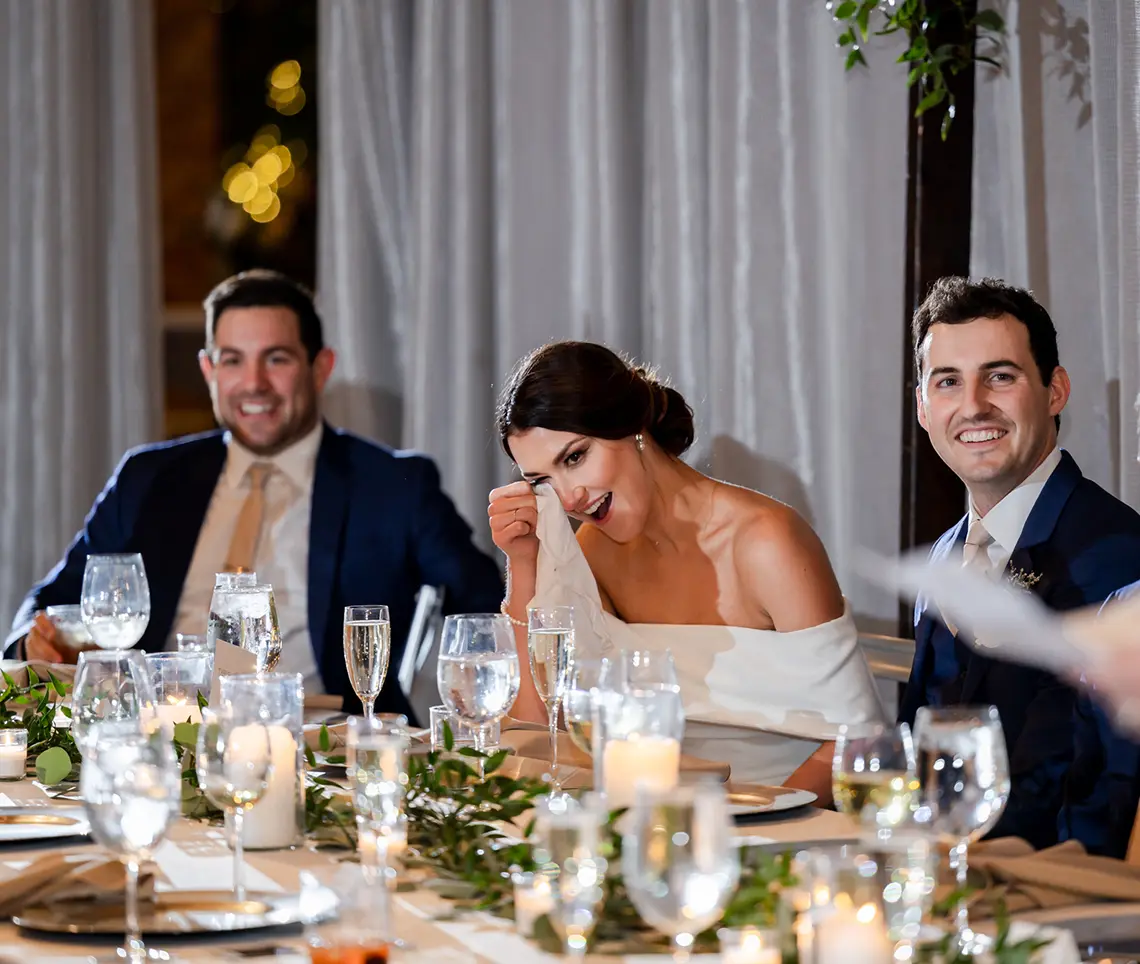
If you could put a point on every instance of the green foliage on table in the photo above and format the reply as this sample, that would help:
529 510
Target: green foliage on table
1005 950
930 64
52 753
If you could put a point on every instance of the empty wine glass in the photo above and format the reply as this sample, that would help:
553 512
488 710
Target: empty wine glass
550 644
131 792
873 774
246 616
679 861
478 670
115 600
234 764
569 837
110 685
367 646
963 769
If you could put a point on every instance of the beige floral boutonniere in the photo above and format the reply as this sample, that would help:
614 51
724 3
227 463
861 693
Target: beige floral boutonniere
1022 579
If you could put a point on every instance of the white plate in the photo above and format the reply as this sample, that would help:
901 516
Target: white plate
747 799
1106 927
24 824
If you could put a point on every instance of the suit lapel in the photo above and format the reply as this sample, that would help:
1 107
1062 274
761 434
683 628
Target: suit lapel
944 550
326 533
1038 529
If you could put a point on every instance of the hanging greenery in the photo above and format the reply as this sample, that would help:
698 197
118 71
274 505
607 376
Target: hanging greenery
930 64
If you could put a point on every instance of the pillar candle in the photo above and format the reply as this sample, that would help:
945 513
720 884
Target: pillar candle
651 761
271 823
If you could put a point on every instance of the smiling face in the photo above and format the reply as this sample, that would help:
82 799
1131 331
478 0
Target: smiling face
263 386
981 399
597 480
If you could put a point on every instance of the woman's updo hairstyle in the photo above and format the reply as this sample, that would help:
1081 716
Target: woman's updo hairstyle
586 389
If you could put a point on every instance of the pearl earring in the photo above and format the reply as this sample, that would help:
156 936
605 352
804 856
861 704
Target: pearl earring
640 442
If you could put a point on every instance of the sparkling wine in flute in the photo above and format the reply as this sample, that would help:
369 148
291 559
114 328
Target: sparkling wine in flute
479 687
551 655
581 735
367 645
888 794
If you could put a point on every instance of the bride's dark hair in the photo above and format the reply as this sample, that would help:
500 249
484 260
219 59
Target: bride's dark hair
584 388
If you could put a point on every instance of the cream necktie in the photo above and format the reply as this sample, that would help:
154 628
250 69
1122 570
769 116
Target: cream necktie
975 553
247 530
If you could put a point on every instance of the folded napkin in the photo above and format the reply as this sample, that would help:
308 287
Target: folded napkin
1011 870
69 876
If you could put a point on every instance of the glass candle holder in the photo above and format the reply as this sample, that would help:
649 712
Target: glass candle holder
749 945
178 680
275 701
533 899
13 754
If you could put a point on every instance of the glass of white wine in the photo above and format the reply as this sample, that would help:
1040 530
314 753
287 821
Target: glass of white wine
873 774
550 643
115 599
478 669
367 646
234 766
587 676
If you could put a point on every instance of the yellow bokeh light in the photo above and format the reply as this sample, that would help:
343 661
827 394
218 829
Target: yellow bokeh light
286 177
268 167
228 178
272 131
294 105
279 97
260 202
285 75
299 151
285 154
269 213
243 187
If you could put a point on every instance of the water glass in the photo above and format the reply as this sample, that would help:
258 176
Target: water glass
550 645
873 774
963 769
115 599
191 643
569 836
587 676
679 860
71 631
234 762
367 646
131 793
478 670
246 616
109 685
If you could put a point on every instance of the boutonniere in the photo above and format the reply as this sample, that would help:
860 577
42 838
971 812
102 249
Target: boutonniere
1023 579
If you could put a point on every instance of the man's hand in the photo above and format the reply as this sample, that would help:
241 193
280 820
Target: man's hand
43 644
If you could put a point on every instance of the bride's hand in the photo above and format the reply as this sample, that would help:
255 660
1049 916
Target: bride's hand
513 513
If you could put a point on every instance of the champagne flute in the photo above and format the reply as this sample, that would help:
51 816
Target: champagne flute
550 643
478 669
873 774
115 599
367 646
964 771
110 685
234 764
131 792
679 860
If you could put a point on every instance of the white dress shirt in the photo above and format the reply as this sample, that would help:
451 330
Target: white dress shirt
282 554
1005 520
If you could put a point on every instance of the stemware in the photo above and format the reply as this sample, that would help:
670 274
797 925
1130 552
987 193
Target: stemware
569 852
115 599
246 616
679 861
367 645
578 702
131 792
550 644
218 627
873 774
478 670
234 762
109 685
963 769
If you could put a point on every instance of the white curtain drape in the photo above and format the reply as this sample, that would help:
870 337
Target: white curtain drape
699 184
1057 207
79 271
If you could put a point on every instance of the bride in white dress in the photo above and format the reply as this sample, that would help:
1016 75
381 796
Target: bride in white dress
735 584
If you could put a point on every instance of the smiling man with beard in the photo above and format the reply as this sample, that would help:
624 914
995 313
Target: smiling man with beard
327 518
990 395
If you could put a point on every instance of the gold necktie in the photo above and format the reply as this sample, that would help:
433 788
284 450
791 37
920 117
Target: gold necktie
243 545
975 553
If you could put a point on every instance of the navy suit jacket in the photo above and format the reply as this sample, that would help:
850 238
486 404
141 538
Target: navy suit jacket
1084 544
380 527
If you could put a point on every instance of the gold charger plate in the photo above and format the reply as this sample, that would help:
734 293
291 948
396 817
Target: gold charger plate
170 912
28 824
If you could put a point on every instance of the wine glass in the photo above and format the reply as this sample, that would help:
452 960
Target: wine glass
246 616
569 838
115 599
873 774
550 643
586 676
679 860
109 685
964 772
367 646
131 792
234 763
478 670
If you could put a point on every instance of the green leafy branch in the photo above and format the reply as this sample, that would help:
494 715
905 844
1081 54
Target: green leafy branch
1004 951
52 752
931 63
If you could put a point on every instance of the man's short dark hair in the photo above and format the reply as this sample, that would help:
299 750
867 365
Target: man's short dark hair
261 288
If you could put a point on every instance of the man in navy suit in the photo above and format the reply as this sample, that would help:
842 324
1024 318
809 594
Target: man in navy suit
990 394
327 518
